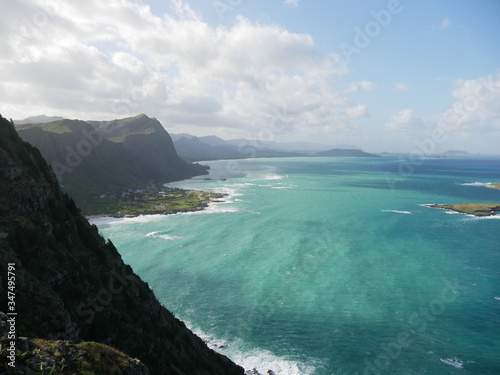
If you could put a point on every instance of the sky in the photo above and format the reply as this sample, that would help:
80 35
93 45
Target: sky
392 75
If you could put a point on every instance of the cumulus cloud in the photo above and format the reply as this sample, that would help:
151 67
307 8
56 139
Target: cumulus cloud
477 106
292 3
73 59
401 121
473 119
359 110
365 85
400 86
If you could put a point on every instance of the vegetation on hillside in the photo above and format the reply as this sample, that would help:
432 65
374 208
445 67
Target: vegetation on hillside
72 285
95 158
153 200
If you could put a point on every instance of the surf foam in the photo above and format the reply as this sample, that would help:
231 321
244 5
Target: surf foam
274 177
259 359
115 220
162 235
453 362
399 212
489 185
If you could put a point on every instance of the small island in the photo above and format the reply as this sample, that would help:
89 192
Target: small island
494 185
476 209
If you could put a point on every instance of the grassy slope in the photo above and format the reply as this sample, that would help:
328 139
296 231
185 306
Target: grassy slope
57 357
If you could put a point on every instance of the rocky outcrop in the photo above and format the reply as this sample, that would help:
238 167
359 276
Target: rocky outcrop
40 356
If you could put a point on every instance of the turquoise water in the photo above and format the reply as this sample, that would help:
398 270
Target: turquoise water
332 266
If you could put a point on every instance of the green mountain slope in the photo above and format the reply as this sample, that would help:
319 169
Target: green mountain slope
91 158
73 285
145 139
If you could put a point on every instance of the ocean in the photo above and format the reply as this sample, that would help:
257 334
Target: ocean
332 266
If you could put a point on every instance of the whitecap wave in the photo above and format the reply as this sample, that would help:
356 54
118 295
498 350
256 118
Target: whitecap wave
484 184
244 184
101 222
476 183
453 362
399 212
162 235
274 177
259 359
428 205
229 191
214 208
263 361
493 217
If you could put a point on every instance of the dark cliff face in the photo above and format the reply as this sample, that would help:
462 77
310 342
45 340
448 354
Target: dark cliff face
94 158
73 285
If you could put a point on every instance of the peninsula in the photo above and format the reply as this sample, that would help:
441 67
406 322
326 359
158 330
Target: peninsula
153 200
476 209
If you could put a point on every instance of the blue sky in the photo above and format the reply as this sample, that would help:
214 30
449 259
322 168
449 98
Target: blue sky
427 44
383 75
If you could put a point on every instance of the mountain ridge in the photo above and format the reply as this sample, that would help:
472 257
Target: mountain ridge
72 285
339 152
95 157
37 119
195 148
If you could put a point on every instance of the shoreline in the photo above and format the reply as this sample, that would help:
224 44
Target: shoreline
475 209
190 201
96 217
163 207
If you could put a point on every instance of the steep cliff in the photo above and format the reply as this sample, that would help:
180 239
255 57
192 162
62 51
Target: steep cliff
71 284
92 158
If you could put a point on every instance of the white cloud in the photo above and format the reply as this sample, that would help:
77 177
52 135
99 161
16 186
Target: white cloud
471 123
445 23
292 3
80 62
477 108
400 86
365 85
357 111
401 121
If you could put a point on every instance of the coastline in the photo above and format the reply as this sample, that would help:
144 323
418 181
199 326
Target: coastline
193 201
475 209
96 217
